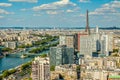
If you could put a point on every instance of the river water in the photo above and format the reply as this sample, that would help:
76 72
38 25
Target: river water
9 62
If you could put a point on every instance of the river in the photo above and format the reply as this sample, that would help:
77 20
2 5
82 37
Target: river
9 62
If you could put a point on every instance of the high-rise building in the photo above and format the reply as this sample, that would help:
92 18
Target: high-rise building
61 55
67 40
78 40
86 45
97 30
110 40
106 43
62 40
86 33
41 69
88 42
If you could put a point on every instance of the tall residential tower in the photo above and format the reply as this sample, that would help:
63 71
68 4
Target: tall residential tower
41 69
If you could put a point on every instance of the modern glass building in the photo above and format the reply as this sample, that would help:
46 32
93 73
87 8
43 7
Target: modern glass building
61 55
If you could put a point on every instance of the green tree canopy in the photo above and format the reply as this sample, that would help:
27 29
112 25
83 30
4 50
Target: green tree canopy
52 68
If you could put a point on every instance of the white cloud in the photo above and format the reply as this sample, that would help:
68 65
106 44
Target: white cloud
115 4
52 12
24 9
1 17
5 4
19 20
96 13
82 15
36 14
76 9
2 11
84 1
54 5
108 8
29 1
112 4
11 13
69 11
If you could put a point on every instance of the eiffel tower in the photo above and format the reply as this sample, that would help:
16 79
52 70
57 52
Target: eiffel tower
87 29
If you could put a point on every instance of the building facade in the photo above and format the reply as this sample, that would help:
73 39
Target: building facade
67 40
88 44
106 43
61 55
11 45
106 68
41 69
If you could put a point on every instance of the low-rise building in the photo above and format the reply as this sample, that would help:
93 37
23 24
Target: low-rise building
67 72
99 68
11 45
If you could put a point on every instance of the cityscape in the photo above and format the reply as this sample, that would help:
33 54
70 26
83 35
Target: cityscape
51 42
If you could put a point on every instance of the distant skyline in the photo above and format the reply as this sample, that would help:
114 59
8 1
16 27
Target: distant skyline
59 13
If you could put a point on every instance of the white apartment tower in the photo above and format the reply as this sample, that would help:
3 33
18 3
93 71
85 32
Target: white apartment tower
106 43
41 69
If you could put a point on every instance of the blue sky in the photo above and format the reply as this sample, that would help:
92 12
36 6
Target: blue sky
59 13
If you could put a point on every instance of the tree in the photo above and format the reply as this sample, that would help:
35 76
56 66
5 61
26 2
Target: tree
26 65
6 49
43 55
25 46
30 78
78 68
115 55
6 73
1 77
52 68
12 71
115 50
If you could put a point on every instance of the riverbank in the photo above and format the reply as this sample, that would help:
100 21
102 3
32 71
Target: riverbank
17 72
15 61
1 56
10 62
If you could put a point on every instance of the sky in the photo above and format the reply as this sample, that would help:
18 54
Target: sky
59 13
